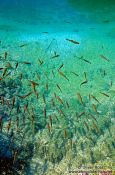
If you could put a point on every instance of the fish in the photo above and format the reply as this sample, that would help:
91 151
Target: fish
75 73
8 65
94 108
47 86
44 100
21 76
55 55
82 113
45 112
67 104
84 82
4 72
48 126
13 101
44 32
16 65
2 99
65 134
24 96
40 61
5 55
26 108
8 126
86 126
15 156
1 123
93 117
61 112
103 57
1 68
50 120
61 66
22 45
38 76
26 62
73 41
17 122
59 87
87 61
104 94
1 78
63 75
60 100
95 98
53 73
80 98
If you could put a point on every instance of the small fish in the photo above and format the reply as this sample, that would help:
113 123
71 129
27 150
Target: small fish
93 117
44 100
21 76
55 55
8 65
45 32
17 122
75 73
53 103
26 62
61 112
61 66
24 96
63 75
1 68
56 117
73 41
1 124
95 98
82 113
1 78
65 134
15 156
40 61
5 55
86 126
111 83
84 82
87 61
4 73
59 87
95 126
94 108
38 76
47 86
67 104
103 57
60 100
53 73
50 120
23 45
26 108
8 126
16 65
45 112
104 94
2 99
48 126
80 98
33 83
13 101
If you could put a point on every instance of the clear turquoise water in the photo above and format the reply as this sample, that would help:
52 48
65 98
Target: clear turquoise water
62 138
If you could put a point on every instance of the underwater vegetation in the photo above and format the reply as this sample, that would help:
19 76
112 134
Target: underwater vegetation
53 118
